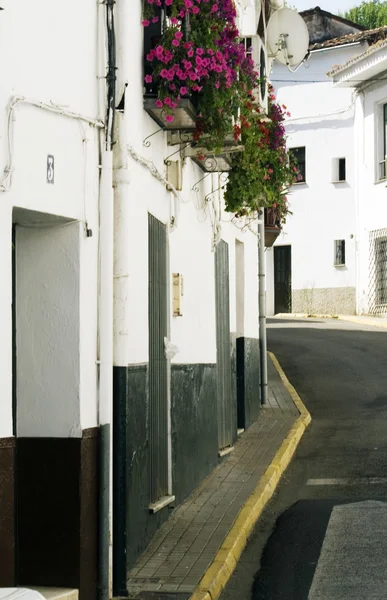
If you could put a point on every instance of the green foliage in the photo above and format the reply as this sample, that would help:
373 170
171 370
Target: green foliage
369 14
262 174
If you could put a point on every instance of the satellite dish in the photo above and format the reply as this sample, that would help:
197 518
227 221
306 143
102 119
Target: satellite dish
287 37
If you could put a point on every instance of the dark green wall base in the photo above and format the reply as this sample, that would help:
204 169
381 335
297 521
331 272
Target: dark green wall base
194 453
194 426
248 380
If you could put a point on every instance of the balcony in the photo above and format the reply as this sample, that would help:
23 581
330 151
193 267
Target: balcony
184 115
272 226
210 162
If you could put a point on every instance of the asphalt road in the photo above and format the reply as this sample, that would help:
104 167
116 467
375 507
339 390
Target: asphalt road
323 536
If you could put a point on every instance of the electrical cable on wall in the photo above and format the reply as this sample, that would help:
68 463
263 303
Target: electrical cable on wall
208 207
111 74
6 182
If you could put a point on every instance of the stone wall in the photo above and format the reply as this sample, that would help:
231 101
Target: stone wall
329 301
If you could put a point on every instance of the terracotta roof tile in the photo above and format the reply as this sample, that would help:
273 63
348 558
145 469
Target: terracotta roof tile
371 35
371 50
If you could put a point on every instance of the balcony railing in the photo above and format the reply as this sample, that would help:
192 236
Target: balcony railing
272 226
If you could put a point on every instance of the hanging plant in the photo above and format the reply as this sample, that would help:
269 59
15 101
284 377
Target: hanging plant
261 175
199 56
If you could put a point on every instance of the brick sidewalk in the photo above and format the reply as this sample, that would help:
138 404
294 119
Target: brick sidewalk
187 543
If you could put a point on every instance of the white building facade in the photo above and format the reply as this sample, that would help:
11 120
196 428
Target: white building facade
313 266
124 378
365 76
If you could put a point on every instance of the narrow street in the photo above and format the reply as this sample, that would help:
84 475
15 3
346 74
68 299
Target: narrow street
323 535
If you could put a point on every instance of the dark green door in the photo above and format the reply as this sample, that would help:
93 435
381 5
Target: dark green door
158 365
282 279
226 402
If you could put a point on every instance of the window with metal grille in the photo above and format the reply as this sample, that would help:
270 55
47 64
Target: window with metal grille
299 157
381 271
339 253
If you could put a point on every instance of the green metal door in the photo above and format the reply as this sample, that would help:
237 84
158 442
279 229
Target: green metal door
158 365
226 402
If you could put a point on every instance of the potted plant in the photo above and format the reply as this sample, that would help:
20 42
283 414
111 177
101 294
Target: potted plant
199 56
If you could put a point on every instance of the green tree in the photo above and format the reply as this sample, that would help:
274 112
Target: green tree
370 14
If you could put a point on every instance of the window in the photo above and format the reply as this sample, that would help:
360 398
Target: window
382 172
339 171
342 170
298 155
339 253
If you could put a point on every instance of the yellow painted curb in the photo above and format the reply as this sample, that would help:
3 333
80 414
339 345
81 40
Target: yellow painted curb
225 561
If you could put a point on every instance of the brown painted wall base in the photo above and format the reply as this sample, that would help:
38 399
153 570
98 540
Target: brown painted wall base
57 512
7 512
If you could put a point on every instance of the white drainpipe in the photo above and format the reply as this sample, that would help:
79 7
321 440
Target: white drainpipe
105 326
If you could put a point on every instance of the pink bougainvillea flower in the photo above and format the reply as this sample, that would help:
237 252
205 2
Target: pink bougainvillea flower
199 51
178 35
172 87
174 21
145 22
195 10
155 20
164 73
214 8
159 104
188 3
173 104
167 101
168 2
150 1
182 14
175 43
190 53
169 118
148 79
217 85
183 91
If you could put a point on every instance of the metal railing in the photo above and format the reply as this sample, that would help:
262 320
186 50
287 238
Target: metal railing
377 299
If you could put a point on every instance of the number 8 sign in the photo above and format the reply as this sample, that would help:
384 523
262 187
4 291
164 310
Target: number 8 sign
50 169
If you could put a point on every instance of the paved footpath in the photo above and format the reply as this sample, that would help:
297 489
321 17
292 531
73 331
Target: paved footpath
187 544
323 535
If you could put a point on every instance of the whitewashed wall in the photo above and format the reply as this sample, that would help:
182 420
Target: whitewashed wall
371 198
190 240
51 56
322 120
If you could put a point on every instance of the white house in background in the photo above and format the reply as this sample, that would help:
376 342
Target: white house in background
313 264
366 76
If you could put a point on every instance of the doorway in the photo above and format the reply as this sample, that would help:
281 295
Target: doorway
158 364
282 279
226 404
